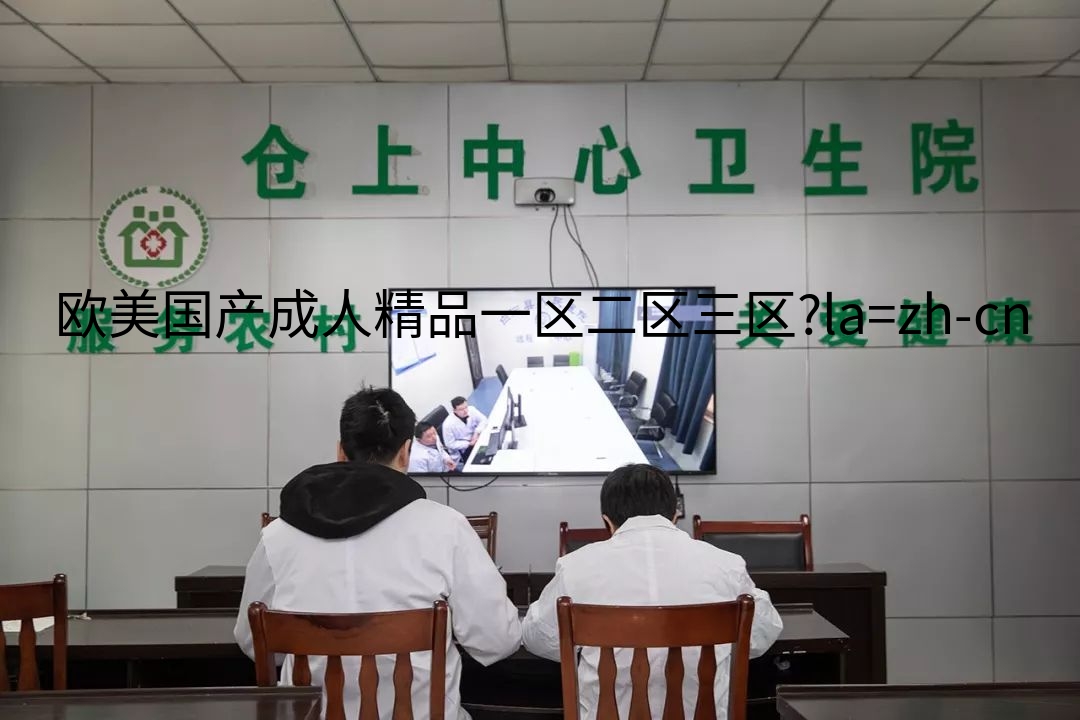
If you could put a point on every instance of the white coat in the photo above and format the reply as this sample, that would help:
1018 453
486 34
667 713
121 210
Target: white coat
457 433
648 561
420 553
427 459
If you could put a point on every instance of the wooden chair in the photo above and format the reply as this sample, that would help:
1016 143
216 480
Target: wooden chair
350 635
570 539
641 628
267 518
486 526
25 602
765 545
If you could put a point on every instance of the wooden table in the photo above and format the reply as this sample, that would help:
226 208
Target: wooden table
1018 701
850 596
186 704
195 648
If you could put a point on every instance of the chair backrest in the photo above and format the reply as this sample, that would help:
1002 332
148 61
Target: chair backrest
640 628
663 410
25 602
634 384
764 544
363 635
500 372
570 539
560 360
267 518
535 361
486 526
436 417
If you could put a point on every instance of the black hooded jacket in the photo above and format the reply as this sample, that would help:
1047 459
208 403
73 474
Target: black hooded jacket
342 499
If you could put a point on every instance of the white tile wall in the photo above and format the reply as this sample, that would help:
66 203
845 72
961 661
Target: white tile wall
45 143
890 449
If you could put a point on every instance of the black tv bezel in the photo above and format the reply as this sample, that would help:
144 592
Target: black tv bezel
554 291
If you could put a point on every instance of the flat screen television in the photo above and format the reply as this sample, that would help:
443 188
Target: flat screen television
558 381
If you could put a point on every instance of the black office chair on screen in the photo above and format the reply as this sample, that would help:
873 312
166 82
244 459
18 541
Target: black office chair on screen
654 429
535 361
627 396
561 361
500 372
436 418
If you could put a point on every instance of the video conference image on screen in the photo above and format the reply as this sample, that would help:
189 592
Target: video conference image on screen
534 392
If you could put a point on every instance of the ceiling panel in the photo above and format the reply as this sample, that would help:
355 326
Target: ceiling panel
903 9
575 10
875 41
960 70
135 46
1027 40
744 9
461 74
433 44
6 16
113 12
22 45
1069 69
580 43
579 73
713 72
735 42
796 71
284 45
258 11
48 75
168 75
1034 8
305 74
421 10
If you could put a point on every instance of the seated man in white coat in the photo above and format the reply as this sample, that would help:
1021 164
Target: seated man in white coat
359 535
461 429
428 454
648 561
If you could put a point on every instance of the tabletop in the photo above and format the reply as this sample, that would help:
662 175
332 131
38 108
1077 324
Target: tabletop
170 704
1016 701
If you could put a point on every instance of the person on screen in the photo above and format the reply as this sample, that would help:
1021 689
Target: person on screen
359 535
461 429
648 561
428 454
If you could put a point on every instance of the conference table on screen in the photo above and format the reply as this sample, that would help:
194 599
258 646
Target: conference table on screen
196 648
570 426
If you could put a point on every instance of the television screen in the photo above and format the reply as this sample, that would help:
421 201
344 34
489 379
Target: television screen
566 381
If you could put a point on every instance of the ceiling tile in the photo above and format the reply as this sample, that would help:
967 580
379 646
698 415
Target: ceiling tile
903 10
1069 69
1029 40
284 45
987 70
22 45
111 12
305 74
736 42
168 75
848 72
135 46
1034 8
744 9
875 41
580 43
48 75
433 44
578 73
6 16
421 10
713 72
257 11
439 75
575 10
